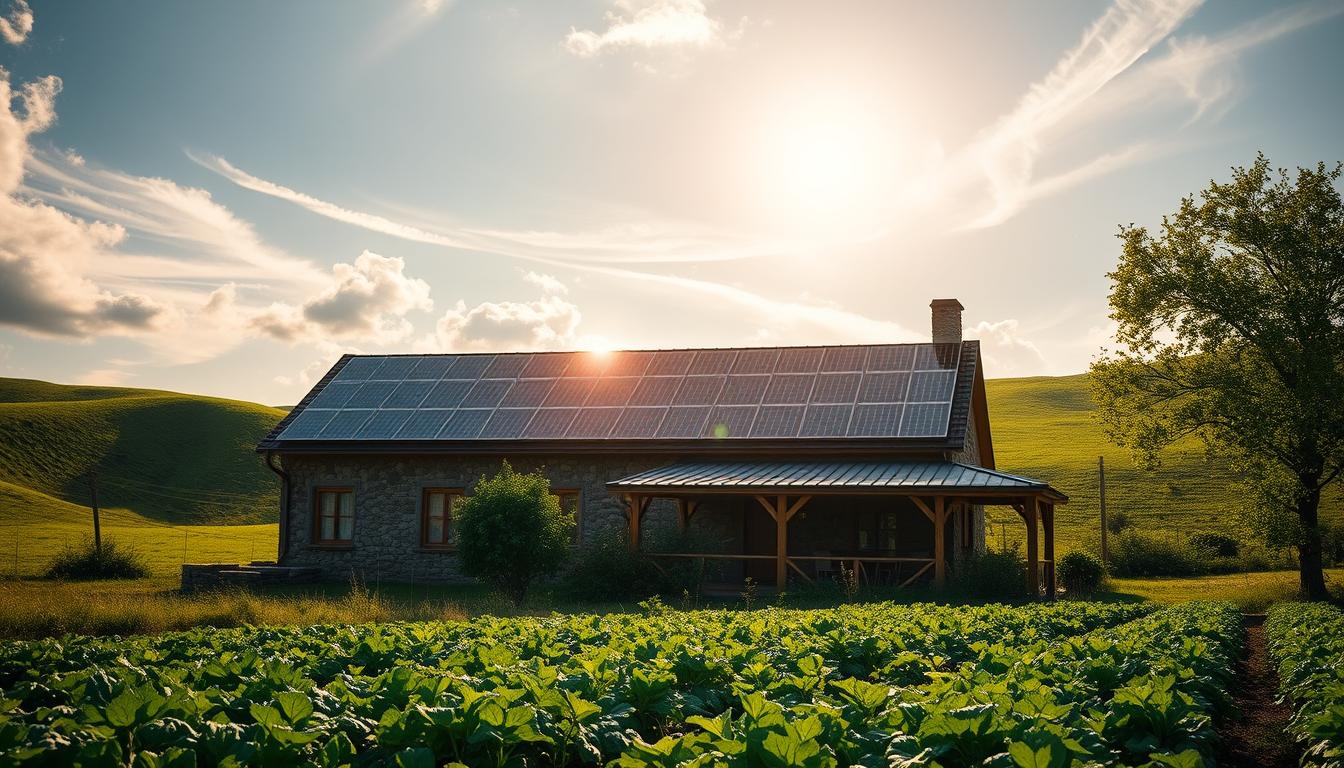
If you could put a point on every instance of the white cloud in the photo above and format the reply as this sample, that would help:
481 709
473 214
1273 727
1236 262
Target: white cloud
17 24
547 323
1005 350
547 283
103 377
676 25
365 301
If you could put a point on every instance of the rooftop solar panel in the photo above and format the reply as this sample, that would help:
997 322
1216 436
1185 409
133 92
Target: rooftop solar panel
588 363
527 393
777 421
371 394
345 424
395 368
507 423
628 363
569 392
382 425
408 394
447 393
799 360
684 421
824 420
551 422
884 387
655 390
699 390
335 394
755 360
432 368
925 420
465 424
932 386
789 388
506 367
593 423
728 421
708 361
844 359
486 393
307 425
836 388
544 366
638 422
890 358
673 363
469 367
875 420
743 390
612 391
424 424
933 357
359 368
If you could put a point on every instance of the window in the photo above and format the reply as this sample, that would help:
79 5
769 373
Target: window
335 516
569 504
436 518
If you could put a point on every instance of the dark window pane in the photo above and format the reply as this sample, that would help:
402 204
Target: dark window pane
638 422
447 394
884 387
730 421
709 361
743 390
335 394
836 388
699 390
655 390
932 386
777 421
684 422
571 392
844 359
551 422
671 363
307 425
612 391
826 421
789 388
875 421
594 422
371 394
487 393
527 393
508 423
469 366
464 425
424 425
799 360
395 368
408 394
755 360
507 366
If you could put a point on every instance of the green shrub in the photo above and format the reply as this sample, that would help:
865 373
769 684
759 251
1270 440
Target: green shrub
1216 544
511 531
1117 521
606 570
1080 573
993 576
1137 554
89 562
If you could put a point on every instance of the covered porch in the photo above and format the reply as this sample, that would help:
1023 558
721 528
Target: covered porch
893 523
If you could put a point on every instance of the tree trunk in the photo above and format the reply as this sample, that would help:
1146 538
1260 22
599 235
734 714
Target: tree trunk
1311 575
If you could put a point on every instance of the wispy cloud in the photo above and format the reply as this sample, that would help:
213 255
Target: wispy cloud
667 27
16 25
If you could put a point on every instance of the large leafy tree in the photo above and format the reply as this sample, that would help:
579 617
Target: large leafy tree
1231 328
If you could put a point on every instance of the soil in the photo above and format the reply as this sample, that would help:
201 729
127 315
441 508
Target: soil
1258 735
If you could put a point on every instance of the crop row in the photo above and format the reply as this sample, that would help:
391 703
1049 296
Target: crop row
870 685
1306 641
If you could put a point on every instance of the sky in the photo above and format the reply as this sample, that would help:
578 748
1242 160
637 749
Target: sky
223 198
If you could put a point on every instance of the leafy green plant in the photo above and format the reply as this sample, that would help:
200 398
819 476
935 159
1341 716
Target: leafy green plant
110 561
512 531
1307 643
1216 544
1080 573
992 576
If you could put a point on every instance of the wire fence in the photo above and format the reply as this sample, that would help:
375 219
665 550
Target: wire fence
27 550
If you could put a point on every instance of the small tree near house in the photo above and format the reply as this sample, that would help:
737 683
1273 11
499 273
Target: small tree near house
512 531
1230 320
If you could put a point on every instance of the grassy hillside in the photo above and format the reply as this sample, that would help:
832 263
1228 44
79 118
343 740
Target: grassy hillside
1044 428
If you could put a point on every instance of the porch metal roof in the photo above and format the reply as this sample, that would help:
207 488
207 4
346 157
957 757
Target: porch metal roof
835 476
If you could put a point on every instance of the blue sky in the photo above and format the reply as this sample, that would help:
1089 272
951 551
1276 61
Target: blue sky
222 198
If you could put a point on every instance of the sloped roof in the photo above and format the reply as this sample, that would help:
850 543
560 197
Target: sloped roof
899 394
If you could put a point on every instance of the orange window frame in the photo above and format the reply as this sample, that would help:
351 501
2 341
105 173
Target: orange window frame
339 514
452 496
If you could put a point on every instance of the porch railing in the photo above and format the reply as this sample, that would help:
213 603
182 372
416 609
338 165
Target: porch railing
868 570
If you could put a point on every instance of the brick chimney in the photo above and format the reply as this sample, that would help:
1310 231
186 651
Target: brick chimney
946 321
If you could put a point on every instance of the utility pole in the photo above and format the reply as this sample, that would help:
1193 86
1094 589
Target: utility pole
93 496
1101 477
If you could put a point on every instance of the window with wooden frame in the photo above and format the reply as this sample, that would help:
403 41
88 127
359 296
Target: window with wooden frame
570 504
437 530
334 516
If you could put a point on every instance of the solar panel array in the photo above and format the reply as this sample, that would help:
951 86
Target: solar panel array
902 390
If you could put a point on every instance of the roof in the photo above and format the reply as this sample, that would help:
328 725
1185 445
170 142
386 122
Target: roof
890 394
820 476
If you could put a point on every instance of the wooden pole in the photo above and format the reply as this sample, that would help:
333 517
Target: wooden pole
939 545
93 497
1101 478
1048 531
781 514
635 504
1029 514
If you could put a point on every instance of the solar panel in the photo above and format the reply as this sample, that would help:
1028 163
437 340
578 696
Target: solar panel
934 357
699 390
571 392
672 363
589 363
545 366
743 390
844 359
789 388
447 393
684 422
925 420
891 358
345 424
638 422
884 387
799 360
777 421
932 386
507 423
464 424
307 424
382 425
424 424
755 360
655 390
469 367
825 420
408 394
593 423
835 388
371 394
432 368
727 421
628 363
708 361
506 367
551 422
359 368
527 393
612 391
875 420
395 368
486 393
335 394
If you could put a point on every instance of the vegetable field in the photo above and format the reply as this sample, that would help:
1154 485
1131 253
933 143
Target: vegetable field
1307 643
878 685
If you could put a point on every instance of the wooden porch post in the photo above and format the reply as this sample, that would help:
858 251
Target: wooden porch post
939 544
1048 526
781 543
636 506
1030 507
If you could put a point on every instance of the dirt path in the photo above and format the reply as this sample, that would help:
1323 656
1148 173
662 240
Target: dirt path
1259 736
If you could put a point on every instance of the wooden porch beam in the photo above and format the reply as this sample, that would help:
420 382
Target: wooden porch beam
923 508
770 508
1030 514
635 511
781 544
797 505
939 541
1048 531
